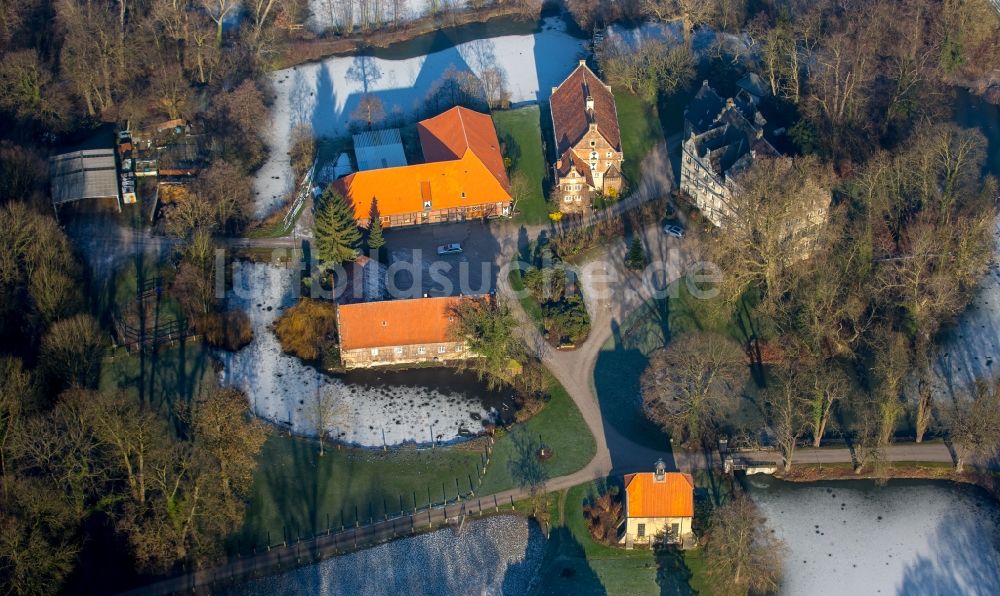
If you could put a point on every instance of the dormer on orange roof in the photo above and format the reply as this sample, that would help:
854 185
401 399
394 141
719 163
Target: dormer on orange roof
650 494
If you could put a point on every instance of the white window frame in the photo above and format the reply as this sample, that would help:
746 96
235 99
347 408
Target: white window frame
442 349
421 350
398 350
374 351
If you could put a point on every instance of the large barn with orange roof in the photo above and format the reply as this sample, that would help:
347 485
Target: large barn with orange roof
658 505
462 177
400 331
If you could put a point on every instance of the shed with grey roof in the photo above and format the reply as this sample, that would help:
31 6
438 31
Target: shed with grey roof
377 149
87 174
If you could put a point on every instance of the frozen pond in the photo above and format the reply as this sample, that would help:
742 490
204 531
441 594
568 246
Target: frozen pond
852 537
323 95
368 407
496 555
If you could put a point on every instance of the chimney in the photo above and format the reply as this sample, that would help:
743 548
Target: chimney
730 103
590 103
583 62
661 471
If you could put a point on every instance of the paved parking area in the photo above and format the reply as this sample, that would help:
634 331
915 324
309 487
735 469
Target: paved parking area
416 269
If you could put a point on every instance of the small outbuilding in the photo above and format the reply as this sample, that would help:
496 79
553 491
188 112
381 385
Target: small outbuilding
87 174
377 149
659 505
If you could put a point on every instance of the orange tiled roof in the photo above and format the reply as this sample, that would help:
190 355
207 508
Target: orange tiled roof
463 158
570 120
397 322
673 497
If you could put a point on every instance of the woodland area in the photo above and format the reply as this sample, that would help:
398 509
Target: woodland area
841 321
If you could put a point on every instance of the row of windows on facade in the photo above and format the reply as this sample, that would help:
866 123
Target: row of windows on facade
420 350
641 529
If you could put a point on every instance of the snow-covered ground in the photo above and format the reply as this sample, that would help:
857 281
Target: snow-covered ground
703 38
971 348
284 390
323 95
906 538
327 14
496 555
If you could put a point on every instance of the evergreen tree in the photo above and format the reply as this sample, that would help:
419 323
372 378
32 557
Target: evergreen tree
375 239
636 257
337 235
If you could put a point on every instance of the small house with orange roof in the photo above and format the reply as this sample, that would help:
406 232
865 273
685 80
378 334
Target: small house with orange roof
463 176
659 505
588 140
400 331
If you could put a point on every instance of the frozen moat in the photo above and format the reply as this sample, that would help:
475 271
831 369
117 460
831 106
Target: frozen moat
369 407
324 95
496 555
907 538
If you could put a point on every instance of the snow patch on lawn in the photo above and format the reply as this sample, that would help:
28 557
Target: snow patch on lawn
284 390
323 95
496 555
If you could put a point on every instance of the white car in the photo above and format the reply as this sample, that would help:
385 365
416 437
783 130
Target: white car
450 249
675 231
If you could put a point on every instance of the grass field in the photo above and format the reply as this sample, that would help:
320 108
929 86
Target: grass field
297 493
576 564
640 129
521 129
172 375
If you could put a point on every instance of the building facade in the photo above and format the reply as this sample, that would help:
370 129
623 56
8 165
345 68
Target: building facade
462 177
400 331
659 505
587 140
721 140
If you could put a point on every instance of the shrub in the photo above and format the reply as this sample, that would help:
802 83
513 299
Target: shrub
229 330
308 330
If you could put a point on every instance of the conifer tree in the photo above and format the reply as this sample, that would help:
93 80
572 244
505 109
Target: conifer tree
375 239
337 235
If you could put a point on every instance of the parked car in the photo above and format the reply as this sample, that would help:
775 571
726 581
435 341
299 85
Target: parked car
675 231
450 249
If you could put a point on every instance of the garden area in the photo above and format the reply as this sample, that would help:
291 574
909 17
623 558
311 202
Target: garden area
520 134
575 563
548 292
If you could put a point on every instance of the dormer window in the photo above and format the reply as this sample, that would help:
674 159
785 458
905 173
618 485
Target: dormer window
427 205
593 155
463 194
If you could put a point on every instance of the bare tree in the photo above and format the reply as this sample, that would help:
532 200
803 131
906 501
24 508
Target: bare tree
740 552
974 423
777 215
692 13
218 11
786 407
689 384
369 112
325 412
827 385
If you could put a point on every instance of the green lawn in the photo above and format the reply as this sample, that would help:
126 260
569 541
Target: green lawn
640 129
296 491
561 427
625 355
171 375
528 302
576 564
521 131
